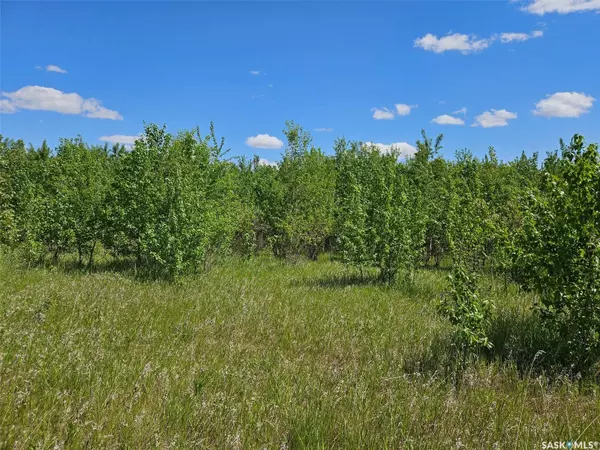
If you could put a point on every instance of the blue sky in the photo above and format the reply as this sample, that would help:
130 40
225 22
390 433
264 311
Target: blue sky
340 66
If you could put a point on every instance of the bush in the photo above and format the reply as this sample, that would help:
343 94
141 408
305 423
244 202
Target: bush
468 312
379 218
559 255
175 201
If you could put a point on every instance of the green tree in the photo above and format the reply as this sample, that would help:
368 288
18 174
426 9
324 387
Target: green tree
430 180
308 178
559 255
351 205
175 201
78 189
379 218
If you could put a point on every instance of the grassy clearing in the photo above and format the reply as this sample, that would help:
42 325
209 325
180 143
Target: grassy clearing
262 354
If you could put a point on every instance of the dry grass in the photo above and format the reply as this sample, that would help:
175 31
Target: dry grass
260 354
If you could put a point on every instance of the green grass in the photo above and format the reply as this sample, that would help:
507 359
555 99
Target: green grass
261 354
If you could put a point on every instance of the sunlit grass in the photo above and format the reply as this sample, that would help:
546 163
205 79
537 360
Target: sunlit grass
263 354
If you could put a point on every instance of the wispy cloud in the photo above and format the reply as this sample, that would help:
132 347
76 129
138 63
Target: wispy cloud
6 107
462 111
382 114
127 140
505 38
52 68
323 130
462 43
469 43
445 119
39 98
264 141
564 104
541 7
255 72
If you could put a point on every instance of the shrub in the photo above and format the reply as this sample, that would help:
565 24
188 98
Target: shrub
467 310
175 201
559 255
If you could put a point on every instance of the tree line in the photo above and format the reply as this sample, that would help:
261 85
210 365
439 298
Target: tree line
175 204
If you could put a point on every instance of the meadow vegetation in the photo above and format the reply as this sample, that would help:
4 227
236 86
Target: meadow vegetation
167 295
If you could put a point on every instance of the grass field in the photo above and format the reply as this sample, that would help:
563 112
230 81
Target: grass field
263 354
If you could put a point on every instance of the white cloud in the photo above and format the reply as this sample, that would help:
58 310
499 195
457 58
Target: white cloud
505 38
120 139
510 37
6 107
271 85
564 104
542 7
264 141
39 98
52 68
323 130
404 148
255 72
467 44
403 109
445 119
266 162
494 118
458 42
461 111
382 114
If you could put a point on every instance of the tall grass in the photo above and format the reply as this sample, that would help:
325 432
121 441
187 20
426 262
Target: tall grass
262 354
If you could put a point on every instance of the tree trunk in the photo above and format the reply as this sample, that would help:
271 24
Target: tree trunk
80 254
91 260
55 256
